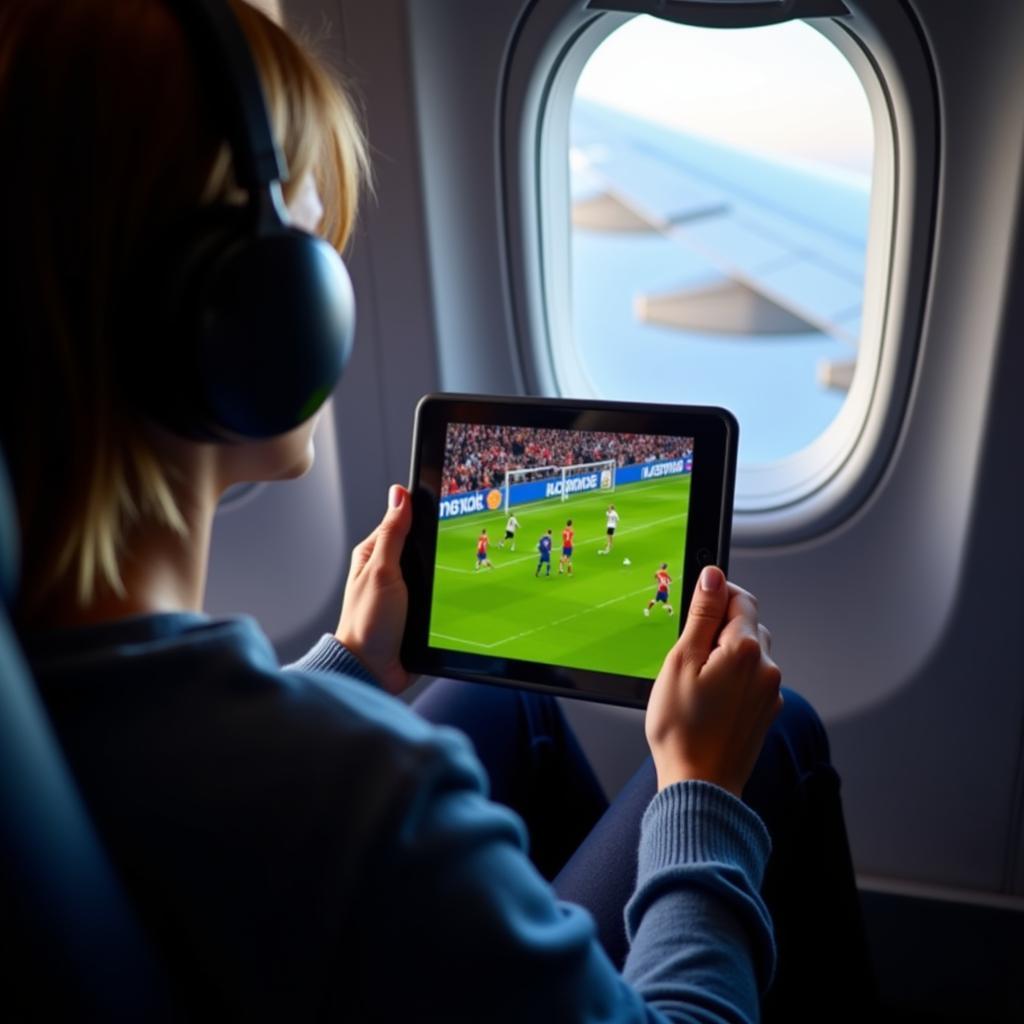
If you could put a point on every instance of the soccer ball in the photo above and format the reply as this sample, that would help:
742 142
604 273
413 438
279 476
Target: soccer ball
626 561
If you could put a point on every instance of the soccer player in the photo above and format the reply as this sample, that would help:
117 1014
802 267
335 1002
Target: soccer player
510 533
611 521
544 547
565 562
481 551
664 580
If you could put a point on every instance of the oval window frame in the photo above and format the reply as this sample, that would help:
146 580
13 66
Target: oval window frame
817 487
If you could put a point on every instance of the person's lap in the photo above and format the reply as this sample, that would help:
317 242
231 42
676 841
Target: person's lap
532 758
587 849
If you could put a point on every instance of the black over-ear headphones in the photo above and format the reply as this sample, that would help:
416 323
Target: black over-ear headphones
257 317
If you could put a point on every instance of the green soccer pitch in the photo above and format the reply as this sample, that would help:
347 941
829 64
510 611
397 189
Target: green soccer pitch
592 619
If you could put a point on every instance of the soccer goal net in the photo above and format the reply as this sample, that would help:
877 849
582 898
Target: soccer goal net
558 482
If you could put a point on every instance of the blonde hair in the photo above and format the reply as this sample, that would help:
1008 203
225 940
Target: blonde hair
107 144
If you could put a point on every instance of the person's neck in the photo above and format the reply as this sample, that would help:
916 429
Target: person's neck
165 571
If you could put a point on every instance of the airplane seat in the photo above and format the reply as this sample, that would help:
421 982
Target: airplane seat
70 946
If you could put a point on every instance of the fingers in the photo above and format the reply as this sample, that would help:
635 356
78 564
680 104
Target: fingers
394 528
711 598
361 554
741 617
745 641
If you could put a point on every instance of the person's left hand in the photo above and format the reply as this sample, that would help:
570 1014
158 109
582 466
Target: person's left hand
376 600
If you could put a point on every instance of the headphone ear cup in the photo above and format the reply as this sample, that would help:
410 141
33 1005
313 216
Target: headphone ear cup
163 364
275 325
258 327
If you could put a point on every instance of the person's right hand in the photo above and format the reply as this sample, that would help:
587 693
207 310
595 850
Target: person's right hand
717 691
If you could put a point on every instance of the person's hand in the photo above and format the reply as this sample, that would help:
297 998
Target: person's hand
376 600
717 691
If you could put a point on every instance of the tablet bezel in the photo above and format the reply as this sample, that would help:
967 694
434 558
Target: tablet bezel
715 434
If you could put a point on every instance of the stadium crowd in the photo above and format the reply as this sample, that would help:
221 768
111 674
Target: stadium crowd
477 455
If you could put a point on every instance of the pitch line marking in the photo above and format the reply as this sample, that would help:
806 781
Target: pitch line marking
589 540
548 625
458 639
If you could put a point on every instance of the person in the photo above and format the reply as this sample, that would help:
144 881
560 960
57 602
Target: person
298 843
544 548
611 522
481 551
664 581
510 533
565 562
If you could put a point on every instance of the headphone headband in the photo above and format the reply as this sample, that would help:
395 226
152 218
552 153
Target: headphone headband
225 59
254 317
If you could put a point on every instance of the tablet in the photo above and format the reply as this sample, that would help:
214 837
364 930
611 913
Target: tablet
555 544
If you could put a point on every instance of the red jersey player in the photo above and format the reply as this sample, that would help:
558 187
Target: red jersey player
565 562
481 551
661 596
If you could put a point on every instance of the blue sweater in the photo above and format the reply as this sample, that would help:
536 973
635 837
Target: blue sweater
303 846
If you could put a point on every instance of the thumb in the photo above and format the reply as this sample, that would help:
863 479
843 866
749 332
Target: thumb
707 611
394 528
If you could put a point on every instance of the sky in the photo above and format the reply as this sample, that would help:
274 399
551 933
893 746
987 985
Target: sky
782 91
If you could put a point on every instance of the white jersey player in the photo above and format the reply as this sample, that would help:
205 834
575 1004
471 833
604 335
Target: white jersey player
611 522
510 533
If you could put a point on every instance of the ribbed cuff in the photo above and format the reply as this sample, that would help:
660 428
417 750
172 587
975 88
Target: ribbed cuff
697 822
329 654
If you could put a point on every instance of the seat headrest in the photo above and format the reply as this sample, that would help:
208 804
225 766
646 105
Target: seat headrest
8 539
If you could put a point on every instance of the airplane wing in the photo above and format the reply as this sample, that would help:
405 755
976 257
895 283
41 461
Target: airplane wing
784 247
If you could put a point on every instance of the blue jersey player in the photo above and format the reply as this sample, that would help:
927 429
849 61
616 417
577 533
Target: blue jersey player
544 547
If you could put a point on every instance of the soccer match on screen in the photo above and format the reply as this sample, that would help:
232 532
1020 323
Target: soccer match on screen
561 546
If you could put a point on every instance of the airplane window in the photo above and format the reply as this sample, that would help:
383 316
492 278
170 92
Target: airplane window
719 192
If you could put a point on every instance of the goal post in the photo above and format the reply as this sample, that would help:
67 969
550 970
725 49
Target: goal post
515 476
605 476
565 476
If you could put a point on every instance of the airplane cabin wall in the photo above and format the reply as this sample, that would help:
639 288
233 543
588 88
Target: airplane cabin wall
870 605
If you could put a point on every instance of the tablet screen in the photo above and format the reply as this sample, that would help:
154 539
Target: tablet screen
561 546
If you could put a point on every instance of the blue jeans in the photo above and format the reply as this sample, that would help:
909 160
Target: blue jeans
587 848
